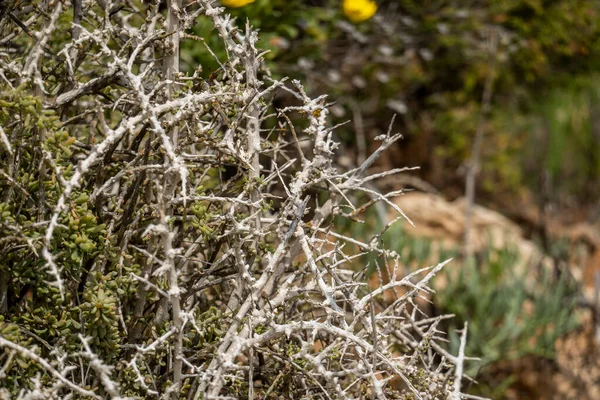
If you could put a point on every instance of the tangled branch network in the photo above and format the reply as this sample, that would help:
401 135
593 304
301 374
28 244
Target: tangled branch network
173 235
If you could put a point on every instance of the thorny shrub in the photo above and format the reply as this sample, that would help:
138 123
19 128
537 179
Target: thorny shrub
168 235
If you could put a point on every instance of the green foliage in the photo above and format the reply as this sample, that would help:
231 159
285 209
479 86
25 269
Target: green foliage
433 59
208 329
99 311
32 303
511 313
567 129
17 370
43 155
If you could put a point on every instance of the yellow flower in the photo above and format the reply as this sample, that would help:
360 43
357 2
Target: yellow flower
236 3
359 10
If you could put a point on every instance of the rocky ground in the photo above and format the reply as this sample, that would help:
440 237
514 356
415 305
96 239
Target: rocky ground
575 372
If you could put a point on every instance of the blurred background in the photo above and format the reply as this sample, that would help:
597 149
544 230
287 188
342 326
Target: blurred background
499 105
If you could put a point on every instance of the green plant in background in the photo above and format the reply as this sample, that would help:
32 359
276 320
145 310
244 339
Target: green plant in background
428 61
511 313
567 128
